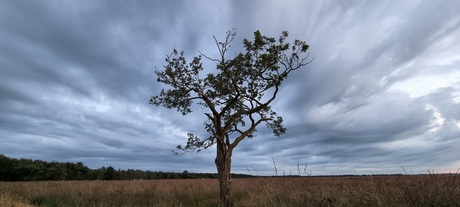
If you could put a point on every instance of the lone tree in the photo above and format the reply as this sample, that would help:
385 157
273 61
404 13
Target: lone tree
238 93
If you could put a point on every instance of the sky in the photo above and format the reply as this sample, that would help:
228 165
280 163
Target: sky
382 94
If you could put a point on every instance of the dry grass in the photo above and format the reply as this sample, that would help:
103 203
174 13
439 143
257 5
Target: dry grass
7 200
115 193
432 190
429 190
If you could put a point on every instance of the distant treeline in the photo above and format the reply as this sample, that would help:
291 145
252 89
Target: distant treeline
12 169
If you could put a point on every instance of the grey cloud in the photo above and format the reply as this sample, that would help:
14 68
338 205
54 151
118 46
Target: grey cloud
75 78
347 93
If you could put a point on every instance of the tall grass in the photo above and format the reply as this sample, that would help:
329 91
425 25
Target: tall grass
114 193
430 190
7 200
408 190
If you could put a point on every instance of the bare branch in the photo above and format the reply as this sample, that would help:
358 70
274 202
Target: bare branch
207 57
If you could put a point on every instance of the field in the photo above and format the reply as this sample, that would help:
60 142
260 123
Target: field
408 190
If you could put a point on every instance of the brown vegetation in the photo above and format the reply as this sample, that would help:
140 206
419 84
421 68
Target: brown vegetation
7 200
423 190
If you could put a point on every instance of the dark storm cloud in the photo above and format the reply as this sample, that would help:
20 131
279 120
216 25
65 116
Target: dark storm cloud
89 45
341 106
76 76
64 63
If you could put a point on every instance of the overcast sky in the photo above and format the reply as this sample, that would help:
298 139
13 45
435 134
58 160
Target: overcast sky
381 93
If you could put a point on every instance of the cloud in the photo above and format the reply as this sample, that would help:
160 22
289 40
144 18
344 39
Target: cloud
345 100
382 90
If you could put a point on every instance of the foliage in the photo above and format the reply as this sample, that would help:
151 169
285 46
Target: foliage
36 170
238 93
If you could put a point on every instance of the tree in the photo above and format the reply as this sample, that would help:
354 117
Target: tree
185 174
109 173
6 168
238 94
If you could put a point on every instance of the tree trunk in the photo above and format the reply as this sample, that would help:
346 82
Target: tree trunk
223 164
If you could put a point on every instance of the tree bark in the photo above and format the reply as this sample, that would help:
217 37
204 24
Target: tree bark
223 163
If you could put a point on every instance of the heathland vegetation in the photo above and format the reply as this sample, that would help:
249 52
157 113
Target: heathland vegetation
404 190
77 185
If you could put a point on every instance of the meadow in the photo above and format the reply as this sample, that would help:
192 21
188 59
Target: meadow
405 190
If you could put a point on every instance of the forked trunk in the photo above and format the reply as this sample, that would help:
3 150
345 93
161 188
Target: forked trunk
223 164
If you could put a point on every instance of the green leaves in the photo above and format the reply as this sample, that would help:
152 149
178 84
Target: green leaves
182 78
194 144
238 93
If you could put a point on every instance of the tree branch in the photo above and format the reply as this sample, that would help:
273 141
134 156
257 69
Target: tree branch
247 132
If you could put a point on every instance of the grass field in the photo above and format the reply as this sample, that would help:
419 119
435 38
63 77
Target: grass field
423 190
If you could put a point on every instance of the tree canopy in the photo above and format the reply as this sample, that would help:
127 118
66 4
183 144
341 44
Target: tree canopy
238 93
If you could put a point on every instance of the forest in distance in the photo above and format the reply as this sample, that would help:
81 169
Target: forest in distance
12 169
